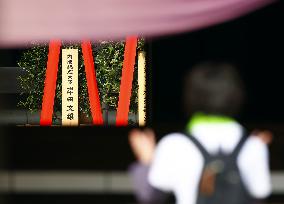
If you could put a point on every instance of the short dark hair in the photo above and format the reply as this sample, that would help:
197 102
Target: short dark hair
213 88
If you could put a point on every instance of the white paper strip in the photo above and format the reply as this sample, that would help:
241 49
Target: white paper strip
70 87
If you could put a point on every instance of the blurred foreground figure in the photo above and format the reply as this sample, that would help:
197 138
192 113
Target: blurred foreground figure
214 160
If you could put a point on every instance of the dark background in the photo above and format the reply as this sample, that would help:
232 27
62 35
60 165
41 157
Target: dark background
254 43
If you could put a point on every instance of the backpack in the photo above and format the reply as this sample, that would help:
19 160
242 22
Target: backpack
220 181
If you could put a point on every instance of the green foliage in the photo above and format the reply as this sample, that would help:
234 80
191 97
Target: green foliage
108 57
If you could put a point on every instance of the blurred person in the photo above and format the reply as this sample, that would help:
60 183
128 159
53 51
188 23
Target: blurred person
214 160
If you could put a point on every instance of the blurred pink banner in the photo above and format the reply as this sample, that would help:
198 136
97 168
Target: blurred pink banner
25 21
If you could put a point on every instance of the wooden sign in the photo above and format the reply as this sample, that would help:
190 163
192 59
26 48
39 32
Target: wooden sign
141 89
70 87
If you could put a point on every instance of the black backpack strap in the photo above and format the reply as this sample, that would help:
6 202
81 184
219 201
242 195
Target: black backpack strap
203 151
235 152
240 144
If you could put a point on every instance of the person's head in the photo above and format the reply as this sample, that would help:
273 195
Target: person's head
213 88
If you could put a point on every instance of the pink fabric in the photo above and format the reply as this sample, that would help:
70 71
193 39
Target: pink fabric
23 21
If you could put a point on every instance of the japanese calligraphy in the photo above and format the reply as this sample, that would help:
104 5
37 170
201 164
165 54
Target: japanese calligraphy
69 87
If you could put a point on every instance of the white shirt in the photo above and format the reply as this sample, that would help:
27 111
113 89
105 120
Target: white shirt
178 164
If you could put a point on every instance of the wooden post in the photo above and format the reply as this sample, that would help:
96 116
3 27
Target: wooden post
50 83
92 83
126 81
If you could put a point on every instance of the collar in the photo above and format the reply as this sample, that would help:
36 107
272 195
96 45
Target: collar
202 118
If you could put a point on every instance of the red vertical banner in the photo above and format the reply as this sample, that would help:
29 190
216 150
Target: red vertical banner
92 83
126 81
50 83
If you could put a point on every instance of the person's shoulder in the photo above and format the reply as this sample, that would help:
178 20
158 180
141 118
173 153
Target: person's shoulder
177 142
173 139
255 142
254 146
